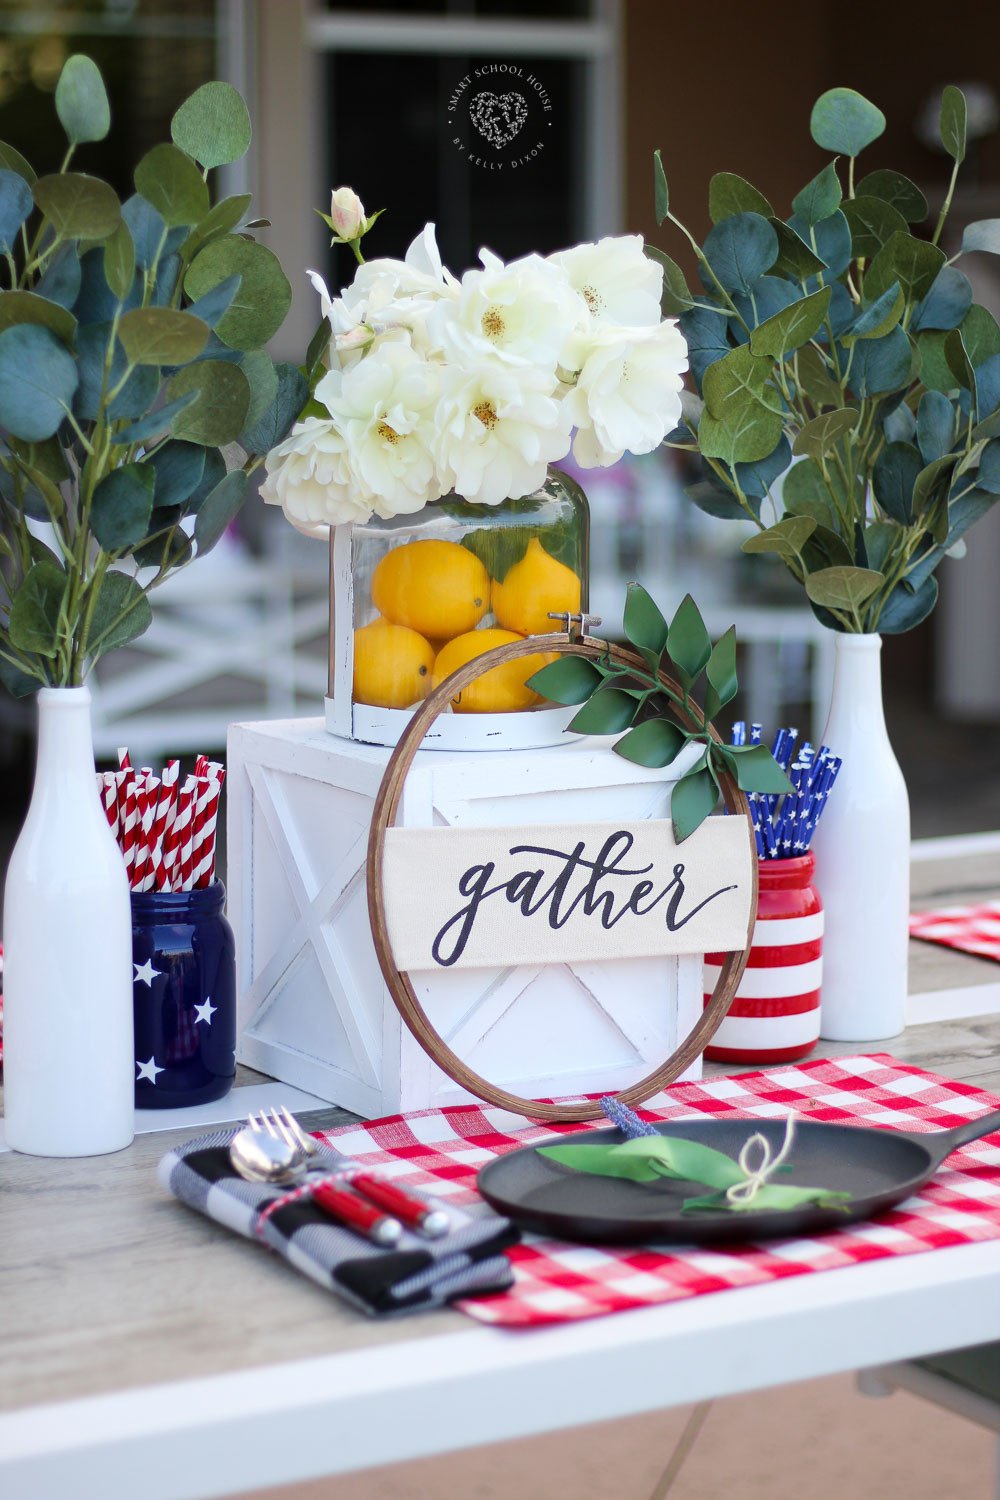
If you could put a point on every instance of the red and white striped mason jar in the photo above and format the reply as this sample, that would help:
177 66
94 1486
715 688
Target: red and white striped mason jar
774 1016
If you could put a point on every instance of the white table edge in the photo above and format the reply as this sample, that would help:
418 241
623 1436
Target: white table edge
213 1436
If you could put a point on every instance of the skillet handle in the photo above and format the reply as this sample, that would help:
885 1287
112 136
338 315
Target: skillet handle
972 1130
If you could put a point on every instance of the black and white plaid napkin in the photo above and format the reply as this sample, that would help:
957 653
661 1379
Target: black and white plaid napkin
414 1274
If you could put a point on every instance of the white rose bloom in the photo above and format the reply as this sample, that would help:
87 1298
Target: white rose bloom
310 476
498 429
524 314
616 280
627 396
384 407
400 293
347 213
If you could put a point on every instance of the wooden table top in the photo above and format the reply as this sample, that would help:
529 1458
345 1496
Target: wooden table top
107 1284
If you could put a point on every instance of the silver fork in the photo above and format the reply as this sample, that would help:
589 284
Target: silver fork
410 1209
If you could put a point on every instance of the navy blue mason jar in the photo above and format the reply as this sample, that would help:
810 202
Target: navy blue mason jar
184 993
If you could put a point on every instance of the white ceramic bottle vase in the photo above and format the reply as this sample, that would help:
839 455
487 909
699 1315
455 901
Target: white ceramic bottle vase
69 1062
862 849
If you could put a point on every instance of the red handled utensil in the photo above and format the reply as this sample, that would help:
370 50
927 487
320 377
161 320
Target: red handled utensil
355 1212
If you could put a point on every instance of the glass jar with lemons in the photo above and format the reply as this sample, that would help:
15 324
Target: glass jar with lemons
415 597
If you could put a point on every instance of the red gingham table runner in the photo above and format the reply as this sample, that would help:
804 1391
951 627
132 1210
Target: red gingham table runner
970 929
556 1282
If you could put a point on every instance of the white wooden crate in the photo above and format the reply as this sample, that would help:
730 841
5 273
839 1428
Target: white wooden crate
314 1010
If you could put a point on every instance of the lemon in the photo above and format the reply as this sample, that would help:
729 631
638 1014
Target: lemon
437 588
532 588
392 665
502 690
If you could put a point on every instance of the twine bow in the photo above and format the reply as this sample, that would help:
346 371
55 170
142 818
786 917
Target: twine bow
757 1176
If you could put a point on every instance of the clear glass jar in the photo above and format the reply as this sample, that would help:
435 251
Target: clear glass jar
427 592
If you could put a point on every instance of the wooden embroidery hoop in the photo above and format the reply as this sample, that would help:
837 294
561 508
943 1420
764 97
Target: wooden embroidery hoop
384 816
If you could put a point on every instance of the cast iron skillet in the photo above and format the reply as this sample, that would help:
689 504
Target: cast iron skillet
878 1167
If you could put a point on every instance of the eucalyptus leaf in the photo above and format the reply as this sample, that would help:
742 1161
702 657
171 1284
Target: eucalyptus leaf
13 160
730 194
740 250
987 385
276 422
156 422
816 377
739 382
705 335
893 478
794 326
119 261
770 295
931 478
38 377
258 367
904 610
219 509
213 125
571 679
913 263
988 477
169 180
693 799
78 206
843 588
177 468
27 307
151 237
980 334
873 223
896 190
957 357
745 434
264 294
817 437
219 413
675 298
756 479
715 501
795 257
786 538
609 711
879 317
121 507
161 336
947 302
830 239
655 744
880 365
935 426
35 611
953 122
16 204
661 192
819 198
121 613
845 121
82 101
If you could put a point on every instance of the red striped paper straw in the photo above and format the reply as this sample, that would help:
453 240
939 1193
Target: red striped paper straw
128 834
123 759
205 829
185 817
161 819
145 872
108 790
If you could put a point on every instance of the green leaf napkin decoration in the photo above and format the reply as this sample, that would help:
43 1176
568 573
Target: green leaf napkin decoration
739 1185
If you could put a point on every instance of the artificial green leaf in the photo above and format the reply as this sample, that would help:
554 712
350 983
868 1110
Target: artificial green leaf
873 223
792 327
705 334
13 161
649 1158
880 365
935 371
831 239
980 334
816 377
905 609
219 414
844 589
82 101
935 426
642 621
78 206
16 204
258 367
27 307
219 509
896 190
122 506
879 317
946 304
609 711
156 423
177 468
213 125
730 194
219 220
275 423
121 613
786 538
655 743
172 549
119 261
170 181
953 122
737 381
795 258
160 336
756 769
264 296
689 644
740 250
819 198
661 193
721 668
805 493
930 479
757 479
746 434
715 501
34 623
571 679
845 121
771 1198
817 437
675 297
880 537
913 263
691 801
893 477
37 380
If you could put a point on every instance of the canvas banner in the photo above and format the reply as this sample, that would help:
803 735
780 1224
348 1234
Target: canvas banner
555 893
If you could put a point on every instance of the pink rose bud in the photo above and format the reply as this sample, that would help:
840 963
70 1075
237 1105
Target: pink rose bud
347 214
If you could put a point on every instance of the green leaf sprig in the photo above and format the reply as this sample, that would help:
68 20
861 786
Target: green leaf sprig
845 376
132 352
654 720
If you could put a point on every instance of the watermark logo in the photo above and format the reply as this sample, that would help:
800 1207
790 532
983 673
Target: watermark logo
500 114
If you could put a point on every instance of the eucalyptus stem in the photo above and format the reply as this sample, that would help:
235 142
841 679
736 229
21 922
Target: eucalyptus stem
946 205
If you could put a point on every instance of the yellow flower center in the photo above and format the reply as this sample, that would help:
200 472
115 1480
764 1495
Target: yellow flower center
593 298
487 414
387 434
494 326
